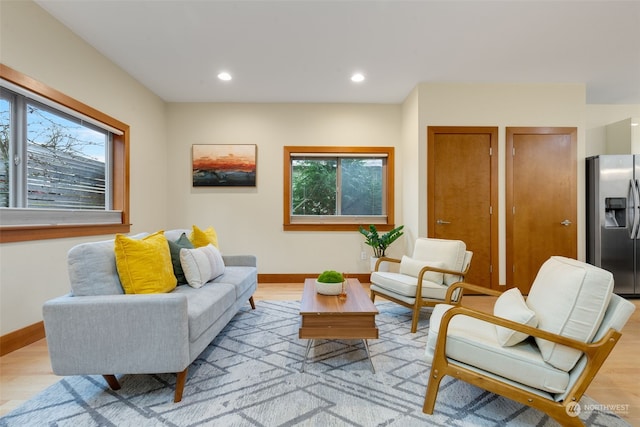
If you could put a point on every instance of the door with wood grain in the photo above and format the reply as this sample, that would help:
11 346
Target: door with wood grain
541 214
462 195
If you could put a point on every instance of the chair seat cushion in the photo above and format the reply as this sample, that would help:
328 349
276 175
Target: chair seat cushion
569 298
407 285
475 342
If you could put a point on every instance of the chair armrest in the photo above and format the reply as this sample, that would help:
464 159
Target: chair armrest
588 348
113 334
240 260
448 295
387 259
595 352
464 286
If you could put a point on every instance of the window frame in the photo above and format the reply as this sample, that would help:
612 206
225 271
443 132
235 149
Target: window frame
119 170
321 224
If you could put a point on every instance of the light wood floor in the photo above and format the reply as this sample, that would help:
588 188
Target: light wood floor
27 371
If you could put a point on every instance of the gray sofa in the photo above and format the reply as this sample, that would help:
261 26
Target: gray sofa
96 329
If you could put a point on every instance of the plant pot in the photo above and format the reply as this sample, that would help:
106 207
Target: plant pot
384 266
328 288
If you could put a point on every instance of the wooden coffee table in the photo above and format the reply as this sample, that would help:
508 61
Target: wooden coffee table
327 317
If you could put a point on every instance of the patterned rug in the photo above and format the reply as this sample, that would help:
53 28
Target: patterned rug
250 376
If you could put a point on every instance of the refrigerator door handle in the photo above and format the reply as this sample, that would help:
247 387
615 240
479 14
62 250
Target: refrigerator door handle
636 208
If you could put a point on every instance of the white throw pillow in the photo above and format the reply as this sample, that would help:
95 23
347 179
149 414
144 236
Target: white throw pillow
201 264
511 306
412 267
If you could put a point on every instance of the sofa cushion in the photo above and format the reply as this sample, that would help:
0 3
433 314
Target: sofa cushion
569 298
450 252
144 265
174 248
201 238
407 285
412 267
474 342
201 264
92 268
511 306
241 278
205 305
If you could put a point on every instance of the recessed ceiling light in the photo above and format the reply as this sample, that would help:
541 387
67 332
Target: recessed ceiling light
357 78
224 76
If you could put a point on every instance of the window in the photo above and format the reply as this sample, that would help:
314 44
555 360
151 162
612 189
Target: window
62 164
337 188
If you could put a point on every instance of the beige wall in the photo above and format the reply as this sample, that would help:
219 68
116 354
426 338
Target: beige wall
250 219
34 43
501 105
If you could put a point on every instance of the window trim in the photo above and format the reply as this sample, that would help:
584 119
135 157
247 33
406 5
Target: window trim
120 169
289 151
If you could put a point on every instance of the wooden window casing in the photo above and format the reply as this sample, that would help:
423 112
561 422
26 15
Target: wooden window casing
120 170
289 151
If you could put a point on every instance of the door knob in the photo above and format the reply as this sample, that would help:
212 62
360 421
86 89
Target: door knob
441 221
566 223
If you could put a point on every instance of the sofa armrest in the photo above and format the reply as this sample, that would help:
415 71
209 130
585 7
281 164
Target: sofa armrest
117 334
240 260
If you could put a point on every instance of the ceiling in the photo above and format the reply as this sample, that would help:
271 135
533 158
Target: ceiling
306 51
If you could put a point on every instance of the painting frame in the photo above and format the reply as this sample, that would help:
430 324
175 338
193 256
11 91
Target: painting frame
224 165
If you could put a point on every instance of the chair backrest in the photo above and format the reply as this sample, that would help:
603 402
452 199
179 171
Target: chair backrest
452 253
618 313
569 298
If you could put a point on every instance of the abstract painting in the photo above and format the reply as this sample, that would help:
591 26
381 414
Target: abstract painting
231 165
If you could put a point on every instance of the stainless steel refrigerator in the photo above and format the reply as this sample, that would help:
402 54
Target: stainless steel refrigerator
613 218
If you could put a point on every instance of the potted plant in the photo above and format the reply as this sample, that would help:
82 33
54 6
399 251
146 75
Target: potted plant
329 283
380 242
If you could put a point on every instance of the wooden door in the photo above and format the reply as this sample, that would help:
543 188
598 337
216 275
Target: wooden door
541 169
463 194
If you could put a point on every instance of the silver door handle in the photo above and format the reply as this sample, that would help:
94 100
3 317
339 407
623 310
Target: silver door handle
441 221
566 223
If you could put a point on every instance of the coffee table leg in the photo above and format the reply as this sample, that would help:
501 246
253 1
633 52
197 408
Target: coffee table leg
306 354
366 346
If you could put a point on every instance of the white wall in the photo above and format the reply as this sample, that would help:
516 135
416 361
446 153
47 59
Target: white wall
409 171
37 45
249 220
598 116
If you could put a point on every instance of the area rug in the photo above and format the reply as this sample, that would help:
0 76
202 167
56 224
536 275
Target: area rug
250 376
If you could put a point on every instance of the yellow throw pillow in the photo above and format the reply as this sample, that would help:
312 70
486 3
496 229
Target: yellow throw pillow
144 266
201 238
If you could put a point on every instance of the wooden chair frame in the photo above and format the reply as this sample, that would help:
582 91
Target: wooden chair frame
419 302
564 411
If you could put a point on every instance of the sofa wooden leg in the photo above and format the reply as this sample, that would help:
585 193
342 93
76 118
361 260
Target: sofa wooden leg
181 379
112 381
253 304
373 296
